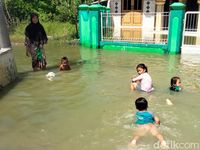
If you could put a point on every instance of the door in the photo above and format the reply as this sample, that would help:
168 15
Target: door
131 19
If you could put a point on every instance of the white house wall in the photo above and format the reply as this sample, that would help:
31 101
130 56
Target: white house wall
148 19
116 9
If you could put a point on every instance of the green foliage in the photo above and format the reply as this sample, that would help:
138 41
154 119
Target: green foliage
59 30
49 10
55 30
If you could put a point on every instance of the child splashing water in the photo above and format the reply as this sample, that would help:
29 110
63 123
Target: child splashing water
143 81
145 121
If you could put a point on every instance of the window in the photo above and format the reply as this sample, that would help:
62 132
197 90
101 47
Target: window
127 4
137 4
132 5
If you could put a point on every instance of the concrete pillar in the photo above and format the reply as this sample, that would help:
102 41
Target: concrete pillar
177 11
4 36
159 10
84 25
8 69
95 24
148 20
116 8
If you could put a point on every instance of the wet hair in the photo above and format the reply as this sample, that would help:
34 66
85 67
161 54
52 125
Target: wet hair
141 103
143 66
173 83
64 58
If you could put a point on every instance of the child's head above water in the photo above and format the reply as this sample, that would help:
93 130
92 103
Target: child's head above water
141 104
64 60
141 68
64 64
175 84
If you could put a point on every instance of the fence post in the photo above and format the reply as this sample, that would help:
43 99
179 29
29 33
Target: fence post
177 11
95 24
84 25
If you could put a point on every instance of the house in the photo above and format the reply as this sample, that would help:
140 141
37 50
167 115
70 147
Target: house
145 23
144 20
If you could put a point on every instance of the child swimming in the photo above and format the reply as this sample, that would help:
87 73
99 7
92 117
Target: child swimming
143 81
175 84
146 121
64 64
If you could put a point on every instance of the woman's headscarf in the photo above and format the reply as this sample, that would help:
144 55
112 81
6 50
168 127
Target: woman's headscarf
35 31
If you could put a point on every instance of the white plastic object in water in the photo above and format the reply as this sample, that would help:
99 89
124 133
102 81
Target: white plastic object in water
168 102
50 76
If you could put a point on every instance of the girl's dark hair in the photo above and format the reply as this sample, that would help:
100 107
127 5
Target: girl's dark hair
173 83
143 66
141 104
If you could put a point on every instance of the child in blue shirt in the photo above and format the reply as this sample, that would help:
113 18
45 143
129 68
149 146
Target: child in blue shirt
146 121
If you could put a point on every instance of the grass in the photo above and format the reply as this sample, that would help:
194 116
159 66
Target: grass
54 30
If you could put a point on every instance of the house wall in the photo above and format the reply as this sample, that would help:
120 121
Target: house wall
116 8
148 19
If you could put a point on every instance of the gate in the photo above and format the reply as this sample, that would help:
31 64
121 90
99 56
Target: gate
152 28
191 33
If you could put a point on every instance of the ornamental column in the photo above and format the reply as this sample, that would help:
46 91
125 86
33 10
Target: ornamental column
159 10
177 11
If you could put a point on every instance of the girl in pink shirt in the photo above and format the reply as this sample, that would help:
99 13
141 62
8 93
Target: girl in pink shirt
143 81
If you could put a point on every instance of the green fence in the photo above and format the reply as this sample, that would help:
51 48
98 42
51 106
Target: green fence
90 28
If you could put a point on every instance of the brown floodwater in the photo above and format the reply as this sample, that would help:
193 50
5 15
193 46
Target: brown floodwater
91 106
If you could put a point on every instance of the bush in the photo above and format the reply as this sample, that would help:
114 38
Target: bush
54 30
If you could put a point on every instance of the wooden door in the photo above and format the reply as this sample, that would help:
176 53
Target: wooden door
131 19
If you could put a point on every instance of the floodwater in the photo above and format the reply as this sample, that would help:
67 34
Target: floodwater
91 107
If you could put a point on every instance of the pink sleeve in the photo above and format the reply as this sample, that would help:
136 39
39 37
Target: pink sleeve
138 78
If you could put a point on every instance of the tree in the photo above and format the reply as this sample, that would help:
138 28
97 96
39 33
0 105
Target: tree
49 10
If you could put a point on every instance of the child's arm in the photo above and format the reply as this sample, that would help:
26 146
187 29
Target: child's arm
137 78
157 120
60 67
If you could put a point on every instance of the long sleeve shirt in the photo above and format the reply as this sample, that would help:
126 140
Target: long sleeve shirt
145 82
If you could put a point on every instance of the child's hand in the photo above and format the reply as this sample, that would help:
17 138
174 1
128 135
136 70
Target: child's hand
157 120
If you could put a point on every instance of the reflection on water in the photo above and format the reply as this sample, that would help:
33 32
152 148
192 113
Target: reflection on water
91 106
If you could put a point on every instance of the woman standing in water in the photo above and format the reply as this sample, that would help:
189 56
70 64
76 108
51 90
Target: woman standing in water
35 38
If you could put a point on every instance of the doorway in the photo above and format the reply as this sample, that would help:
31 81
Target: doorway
131 19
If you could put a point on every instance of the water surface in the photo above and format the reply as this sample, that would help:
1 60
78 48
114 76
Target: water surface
91 106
